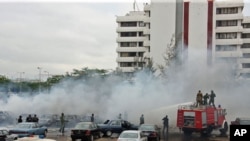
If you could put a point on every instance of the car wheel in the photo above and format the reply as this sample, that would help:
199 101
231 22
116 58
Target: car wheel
45 134
100 134
91 138
108 133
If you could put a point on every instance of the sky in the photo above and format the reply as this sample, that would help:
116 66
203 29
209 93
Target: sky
60 35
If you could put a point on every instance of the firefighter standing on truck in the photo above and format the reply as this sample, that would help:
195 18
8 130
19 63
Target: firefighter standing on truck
211 100
199 98
205 97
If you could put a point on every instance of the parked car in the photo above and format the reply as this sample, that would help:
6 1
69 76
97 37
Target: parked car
152 131
86 131
132 135
241 121
26 129
116 126
5 135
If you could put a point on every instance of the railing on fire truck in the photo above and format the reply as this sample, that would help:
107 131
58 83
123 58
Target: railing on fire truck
193 106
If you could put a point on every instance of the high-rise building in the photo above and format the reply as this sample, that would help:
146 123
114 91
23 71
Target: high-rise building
214 31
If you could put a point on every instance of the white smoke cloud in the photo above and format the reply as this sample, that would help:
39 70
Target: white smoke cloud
153 97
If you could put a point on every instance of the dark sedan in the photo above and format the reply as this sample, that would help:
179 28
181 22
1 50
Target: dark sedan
85 131
5 136
27 129
152 131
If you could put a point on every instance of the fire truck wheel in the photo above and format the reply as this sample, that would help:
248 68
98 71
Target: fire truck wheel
187 132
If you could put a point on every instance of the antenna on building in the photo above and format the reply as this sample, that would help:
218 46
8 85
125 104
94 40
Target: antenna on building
135 4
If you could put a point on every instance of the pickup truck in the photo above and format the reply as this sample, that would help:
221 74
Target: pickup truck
116 126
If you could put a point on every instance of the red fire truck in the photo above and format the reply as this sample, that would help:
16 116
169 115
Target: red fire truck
203 118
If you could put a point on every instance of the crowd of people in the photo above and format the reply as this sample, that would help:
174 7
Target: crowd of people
207 99
29 118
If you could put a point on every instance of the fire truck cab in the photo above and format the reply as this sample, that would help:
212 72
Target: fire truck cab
203 118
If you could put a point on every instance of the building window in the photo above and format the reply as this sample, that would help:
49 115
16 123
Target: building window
246 25
245 75
128 54
245 46
140 34
245 65
246 55
246 35
140 44
225 48
128 44
226 35
128 34
126 64
128 24
141 24
226 23
231 10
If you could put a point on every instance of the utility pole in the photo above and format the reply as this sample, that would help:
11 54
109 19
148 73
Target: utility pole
20 81
40 69
47 80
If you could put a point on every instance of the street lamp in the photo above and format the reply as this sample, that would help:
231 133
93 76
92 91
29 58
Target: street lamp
20 81
40 69
47 80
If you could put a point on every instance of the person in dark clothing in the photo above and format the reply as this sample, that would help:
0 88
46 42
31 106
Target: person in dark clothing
165 126
19 120
211 99
205 98
35 119
224 129
62 121
29 119
142 119
92 118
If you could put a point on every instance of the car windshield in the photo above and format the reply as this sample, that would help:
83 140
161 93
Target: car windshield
82 126
146 128
129 135
24 125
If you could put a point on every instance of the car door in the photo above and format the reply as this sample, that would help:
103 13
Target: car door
116 126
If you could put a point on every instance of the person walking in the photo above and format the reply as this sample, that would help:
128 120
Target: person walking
142 119
211 100
62 121
205 98
165 126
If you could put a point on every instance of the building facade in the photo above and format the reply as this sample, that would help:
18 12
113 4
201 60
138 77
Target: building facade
213 31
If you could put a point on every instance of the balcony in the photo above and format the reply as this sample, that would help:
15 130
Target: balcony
131 49
244 60
129 29
246 30
246 40
245 50
146 31
229 41
146 20
146 7
228 54
130 39
146 43
130 18
125 59
126 69
229 16
229 29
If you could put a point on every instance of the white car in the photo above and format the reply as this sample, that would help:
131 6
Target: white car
132 135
